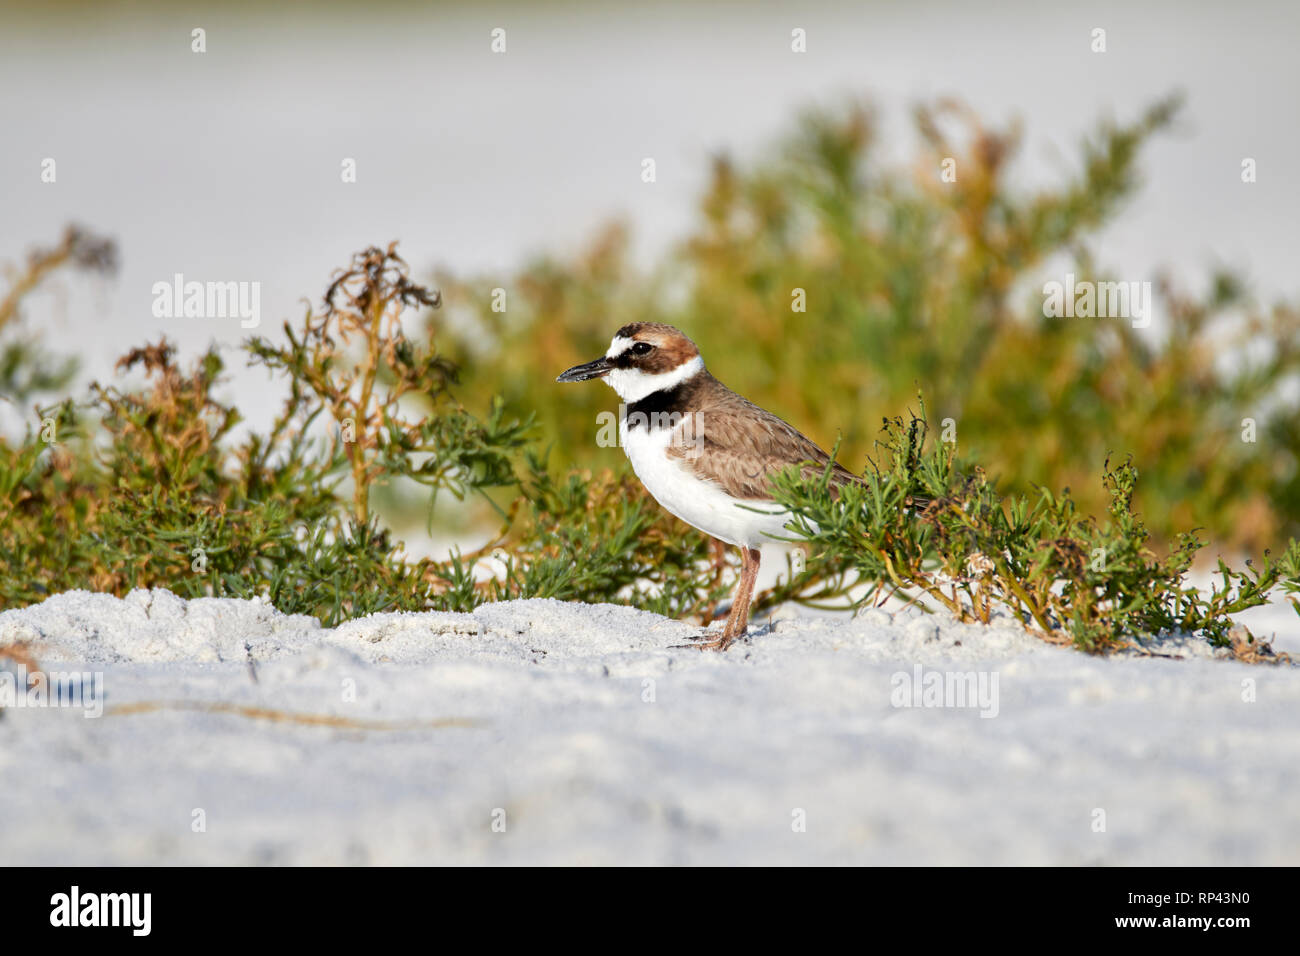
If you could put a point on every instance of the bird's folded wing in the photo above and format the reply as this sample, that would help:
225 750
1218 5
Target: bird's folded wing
740 450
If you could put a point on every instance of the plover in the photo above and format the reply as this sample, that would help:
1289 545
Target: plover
703 452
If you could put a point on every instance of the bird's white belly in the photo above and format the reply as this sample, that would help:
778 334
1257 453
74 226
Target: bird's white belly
702 504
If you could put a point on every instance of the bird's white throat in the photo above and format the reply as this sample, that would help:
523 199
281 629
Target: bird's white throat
633 385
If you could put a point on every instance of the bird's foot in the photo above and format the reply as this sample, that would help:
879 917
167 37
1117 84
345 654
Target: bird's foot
719 643
699 643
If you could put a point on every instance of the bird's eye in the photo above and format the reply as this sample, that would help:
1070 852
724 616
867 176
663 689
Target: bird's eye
641 348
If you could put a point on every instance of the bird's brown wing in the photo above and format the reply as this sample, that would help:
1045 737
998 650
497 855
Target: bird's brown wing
739 446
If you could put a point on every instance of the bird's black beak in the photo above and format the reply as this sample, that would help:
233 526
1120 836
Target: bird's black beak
580 373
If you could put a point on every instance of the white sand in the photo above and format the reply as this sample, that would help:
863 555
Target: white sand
602 745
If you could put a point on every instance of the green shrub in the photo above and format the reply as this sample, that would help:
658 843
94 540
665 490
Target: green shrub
1068 577
908 282
143 487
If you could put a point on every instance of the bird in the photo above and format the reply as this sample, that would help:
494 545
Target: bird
705 453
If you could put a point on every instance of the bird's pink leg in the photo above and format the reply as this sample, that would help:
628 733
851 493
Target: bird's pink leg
731 612
739 624
738 616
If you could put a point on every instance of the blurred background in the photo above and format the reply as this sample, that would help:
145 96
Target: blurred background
774 170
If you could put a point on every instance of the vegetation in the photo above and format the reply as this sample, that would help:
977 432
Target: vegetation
164 498
911 282
26 368
906 279
1070 578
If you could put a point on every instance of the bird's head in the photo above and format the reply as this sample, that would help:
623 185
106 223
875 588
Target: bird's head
643 358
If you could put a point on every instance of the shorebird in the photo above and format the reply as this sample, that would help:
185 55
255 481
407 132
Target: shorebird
703 452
